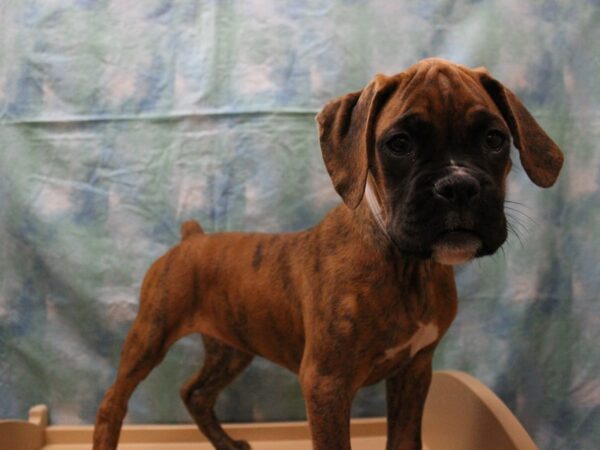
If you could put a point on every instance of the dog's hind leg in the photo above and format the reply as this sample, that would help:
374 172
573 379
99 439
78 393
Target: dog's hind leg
222 364
145 347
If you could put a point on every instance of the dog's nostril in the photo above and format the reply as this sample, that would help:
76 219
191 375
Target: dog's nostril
457 190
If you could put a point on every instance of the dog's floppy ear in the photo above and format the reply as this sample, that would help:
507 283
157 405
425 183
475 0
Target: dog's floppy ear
540 156
346 128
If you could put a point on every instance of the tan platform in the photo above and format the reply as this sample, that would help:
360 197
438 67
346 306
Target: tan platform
460 414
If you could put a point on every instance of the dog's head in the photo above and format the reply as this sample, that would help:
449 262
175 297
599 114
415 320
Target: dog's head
431 147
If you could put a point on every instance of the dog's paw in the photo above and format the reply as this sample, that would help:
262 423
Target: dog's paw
242 445
236 445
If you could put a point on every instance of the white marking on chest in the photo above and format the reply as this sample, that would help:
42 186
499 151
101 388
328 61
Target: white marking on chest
425 335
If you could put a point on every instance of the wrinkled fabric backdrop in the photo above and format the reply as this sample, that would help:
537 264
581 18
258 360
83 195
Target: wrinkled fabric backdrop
120 119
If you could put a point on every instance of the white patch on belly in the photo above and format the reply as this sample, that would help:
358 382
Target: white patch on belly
425 335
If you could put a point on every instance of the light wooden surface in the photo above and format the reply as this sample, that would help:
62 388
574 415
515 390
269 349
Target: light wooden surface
372 443
460 414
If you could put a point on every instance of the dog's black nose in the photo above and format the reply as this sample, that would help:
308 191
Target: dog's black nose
458 190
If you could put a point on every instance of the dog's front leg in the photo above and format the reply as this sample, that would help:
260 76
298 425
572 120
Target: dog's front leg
406 392
328 399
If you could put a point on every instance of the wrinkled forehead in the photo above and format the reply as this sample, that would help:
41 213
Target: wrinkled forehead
443 94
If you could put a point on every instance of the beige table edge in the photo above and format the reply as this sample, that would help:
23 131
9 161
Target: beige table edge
461 413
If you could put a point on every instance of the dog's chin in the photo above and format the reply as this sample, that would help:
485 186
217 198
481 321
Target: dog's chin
455 247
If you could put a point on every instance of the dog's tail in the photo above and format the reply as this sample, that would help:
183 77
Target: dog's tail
190 228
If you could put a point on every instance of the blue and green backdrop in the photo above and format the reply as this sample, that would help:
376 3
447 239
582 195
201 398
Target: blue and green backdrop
120 119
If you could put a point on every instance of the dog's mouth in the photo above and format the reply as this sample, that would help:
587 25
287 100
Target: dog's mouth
456 246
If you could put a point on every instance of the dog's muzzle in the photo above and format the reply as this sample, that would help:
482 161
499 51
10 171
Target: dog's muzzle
458 243
451 219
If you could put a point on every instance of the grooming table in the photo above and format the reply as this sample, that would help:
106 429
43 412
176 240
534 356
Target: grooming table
460 414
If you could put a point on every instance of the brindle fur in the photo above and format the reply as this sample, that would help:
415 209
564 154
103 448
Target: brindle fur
327 303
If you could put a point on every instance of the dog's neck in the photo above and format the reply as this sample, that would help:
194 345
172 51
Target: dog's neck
379 253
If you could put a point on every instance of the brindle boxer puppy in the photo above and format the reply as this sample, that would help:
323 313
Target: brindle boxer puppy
420 160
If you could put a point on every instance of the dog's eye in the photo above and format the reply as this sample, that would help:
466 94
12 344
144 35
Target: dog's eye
494 140
400 144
